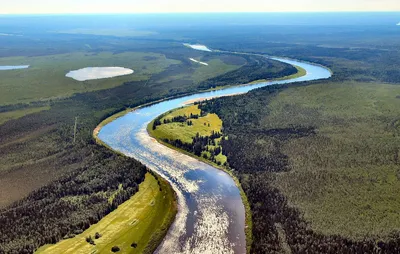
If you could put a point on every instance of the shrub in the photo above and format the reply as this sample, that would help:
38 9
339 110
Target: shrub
115 249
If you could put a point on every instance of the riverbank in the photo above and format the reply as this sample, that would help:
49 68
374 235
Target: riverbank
136 226
248 220
301 72
140 116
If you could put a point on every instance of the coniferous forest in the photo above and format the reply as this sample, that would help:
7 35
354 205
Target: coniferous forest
318 161
280 168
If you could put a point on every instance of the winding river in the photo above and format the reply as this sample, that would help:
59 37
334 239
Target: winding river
211 216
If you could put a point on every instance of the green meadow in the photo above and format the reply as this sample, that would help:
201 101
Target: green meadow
201 72
45 78
10 115
203 126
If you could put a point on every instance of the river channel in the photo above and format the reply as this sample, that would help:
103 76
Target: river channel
211 216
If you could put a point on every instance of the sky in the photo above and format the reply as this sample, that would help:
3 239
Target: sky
178 6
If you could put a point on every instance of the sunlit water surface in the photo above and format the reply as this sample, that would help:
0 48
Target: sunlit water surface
211 216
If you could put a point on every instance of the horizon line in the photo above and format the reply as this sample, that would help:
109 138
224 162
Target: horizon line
212 12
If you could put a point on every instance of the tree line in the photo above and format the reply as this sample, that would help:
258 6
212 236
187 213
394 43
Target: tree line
71 204
256 68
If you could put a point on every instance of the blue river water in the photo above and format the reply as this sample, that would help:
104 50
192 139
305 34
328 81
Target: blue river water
211 215
13 67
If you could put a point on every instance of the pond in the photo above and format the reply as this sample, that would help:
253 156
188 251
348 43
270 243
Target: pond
13 67
90 73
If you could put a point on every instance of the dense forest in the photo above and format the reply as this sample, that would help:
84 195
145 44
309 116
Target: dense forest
69 205
256 68
360 53
199 145
260 152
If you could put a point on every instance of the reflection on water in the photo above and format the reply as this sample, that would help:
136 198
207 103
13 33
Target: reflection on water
211 216
13 67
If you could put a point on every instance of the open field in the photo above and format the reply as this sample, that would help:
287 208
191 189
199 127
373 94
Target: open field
203 126
46 79
6 116
185 133
184 111
200 72
147 213
214 68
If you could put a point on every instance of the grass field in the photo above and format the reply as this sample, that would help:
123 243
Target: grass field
143 219
300 73
214 68
204 126
346 178
46 76
201 72
6 116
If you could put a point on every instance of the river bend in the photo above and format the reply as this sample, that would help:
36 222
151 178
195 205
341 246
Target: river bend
211 215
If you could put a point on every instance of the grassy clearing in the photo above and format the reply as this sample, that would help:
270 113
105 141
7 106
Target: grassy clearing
346 178
143 219
204 126
200 72
46 76
215 68
185 111
300 73
6 116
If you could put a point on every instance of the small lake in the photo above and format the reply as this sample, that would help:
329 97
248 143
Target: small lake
196 61
13 67
198 47
90 73
211 216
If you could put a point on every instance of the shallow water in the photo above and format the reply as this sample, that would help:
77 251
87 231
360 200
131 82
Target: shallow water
90 73
196 61
13 67
198 47
211 216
